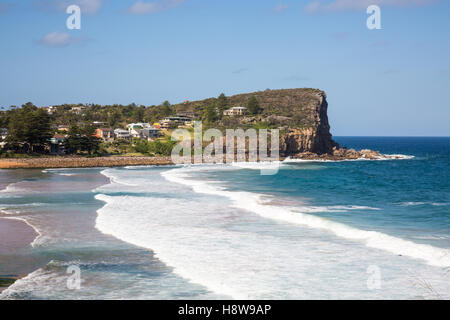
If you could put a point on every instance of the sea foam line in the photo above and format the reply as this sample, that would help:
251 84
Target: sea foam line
254 203
39 234
382 157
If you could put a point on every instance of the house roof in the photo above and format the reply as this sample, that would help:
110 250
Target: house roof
238 108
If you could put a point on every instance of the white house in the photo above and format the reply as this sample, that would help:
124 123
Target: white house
49 109
78 109
235 111
135 128
122 134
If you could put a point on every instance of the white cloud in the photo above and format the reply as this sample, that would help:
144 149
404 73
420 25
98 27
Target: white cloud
142 7
344 5
87 6
58 39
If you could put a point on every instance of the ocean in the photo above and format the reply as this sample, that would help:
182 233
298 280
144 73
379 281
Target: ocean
366 229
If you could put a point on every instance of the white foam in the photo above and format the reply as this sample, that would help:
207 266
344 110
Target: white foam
38 238
412 203
381 157
114 179
421 203
217 238
252 202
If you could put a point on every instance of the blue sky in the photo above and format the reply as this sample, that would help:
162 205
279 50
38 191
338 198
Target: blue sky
392 81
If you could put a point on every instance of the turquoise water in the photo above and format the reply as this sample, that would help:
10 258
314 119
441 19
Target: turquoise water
411 197
318 230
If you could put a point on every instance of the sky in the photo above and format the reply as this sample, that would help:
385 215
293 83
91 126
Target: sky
391 81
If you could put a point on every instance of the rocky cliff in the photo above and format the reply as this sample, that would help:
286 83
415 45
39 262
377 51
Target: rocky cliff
300 114
314 138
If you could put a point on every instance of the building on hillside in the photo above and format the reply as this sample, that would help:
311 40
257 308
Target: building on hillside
174 122
106 134
99 124
235 111
190 115
3 133
149 133
63 128
135 128
122 134
167 124
50 109
78 109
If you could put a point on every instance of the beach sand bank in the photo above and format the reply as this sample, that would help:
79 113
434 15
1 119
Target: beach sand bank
81 162
15 236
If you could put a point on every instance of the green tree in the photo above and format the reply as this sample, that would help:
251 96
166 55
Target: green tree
161 148
222 104
141 146
114 118
29 128
253 106
166 108
138 114
38 130
210 114
82 139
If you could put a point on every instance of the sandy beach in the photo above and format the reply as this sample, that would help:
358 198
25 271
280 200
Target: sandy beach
81 162
15 235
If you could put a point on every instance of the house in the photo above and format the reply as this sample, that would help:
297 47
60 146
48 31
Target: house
63 128
180 119
135 128
173 122
99 124
57 144
122 134
49 109
149 133
78 109
167 124
3 133
57 138
235 111
190 115
106 134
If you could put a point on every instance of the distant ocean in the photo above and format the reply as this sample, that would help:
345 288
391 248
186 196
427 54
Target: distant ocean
316 230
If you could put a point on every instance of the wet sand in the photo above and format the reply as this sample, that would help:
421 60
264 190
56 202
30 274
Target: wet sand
15 236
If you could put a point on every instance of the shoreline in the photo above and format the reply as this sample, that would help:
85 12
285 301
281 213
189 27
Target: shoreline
117 161
81 162
15 236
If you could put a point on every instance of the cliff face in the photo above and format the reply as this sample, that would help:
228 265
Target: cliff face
300 114
316 138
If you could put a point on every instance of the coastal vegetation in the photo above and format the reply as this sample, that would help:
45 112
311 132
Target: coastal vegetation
299 115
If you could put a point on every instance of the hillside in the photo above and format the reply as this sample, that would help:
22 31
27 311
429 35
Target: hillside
300 114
